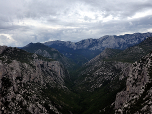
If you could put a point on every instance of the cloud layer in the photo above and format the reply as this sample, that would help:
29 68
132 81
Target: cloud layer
22 22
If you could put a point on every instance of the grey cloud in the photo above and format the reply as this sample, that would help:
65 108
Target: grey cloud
67 15
120 8
118 27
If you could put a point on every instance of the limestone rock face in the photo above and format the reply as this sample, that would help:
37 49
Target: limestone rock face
136 98
22 83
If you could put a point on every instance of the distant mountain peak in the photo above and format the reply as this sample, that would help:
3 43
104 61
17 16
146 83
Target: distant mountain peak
48 52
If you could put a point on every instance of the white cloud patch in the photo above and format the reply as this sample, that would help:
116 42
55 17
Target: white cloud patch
26 21
6 39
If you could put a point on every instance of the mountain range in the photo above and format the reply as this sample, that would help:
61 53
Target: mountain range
113 41
49 78
84 50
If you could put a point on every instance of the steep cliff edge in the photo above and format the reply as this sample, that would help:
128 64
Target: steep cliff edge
137 97
24 79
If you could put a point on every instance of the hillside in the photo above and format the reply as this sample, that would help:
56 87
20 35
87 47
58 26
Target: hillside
79 56
33 84
83 51
48 52
134 53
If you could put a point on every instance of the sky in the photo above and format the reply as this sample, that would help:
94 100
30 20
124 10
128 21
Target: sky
25 21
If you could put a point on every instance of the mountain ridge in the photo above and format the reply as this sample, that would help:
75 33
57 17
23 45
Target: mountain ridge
89 48
45 51
107 41
135 52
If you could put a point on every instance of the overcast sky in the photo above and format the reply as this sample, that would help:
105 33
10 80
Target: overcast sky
25 21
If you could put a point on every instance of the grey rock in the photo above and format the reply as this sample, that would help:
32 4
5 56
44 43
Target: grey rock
137 81
21 84
44 53
97 71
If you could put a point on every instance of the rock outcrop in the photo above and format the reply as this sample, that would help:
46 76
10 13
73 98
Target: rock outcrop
22 83
44 53
137 96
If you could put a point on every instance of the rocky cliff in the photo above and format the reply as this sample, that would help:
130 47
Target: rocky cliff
23 79
136 98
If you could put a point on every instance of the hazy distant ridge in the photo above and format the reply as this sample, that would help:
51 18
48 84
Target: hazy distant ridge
108 41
